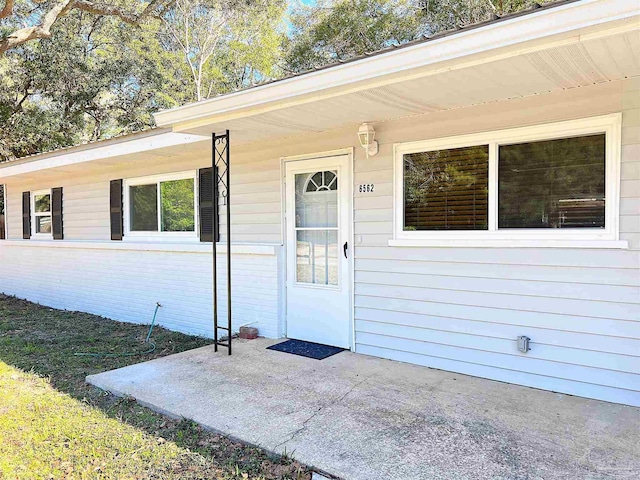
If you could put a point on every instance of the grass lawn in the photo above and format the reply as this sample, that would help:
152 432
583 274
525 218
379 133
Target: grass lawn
54 425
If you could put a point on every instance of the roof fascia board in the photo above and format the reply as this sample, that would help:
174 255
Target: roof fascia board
89 145
125 146
510 34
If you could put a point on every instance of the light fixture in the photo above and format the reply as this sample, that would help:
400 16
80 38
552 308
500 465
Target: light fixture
367 135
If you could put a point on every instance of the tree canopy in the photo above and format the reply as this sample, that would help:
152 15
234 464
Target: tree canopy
78 70
98 76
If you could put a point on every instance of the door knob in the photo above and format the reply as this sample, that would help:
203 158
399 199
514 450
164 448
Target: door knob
344 248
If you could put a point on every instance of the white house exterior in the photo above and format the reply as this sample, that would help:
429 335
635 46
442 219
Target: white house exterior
385 260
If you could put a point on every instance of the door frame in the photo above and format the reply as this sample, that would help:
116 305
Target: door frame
350 234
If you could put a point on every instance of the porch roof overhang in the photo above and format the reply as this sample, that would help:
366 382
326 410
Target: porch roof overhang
143 146
572 44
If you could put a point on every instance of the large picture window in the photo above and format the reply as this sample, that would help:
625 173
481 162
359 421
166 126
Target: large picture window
550 182
161 205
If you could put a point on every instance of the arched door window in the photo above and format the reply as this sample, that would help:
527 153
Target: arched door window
321 182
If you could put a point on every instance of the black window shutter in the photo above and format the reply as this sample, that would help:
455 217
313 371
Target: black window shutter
115 202
208 228
26 215
3 209
56 213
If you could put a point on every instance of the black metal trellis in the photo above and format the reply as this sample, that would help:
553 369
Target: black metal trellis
220 156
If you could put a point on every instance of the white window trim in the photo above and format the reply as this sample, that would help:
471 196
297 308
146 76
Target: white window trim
159 235
579 237
35 214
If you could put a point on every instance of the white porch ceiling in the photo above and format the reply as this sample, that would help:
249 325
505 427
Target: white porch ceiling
582 63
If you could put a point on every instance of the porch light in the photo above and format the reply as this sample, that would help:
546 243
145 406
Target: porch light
367 135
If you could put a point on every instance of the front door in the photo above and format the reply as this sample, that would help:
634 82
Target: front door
318 205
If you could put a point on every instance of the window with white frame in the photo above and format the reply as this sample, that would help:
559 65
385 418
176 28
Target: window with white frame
161 205
553 181
41 212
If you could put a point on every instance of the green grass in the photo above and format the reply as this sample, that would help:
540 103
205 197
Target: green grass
54 425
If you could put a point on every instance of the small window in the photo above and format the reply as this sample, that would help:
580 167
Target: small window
41 202
162 205
322 182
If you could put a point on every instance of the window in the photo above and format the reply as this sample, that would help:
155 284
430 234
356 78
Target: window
316 226
321 182
446 189
41 202
550 182
161 205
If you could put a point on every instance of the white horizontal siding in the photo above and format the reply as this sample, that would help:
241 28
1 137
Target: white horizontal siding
486 299
13 212
571 276
461 309
550 257
462 364
543 289
125 285
612 341
552 321
611 370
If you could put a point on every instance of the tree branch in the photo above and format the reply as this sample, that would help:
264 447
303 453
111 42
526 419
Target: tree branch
62 7
130 17
18 106
7 10
43 30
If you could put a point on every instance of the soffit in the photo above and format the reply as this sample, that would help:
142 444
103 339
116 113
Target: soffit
578 64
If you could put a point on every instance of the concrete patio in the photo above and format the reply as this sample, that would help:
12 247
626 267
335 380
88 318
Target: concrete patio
365 418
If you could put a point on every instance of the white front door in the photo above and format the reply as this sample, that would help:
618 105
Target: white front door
319 250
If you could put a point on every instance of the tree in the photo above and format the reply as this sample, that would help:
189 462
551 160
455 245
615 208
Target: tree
84 83
442 15
98 77
33 19
224 44
338 30
334 30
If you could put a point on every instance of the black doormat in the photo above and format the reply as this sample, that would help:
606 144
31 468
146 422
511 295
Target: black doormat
306 349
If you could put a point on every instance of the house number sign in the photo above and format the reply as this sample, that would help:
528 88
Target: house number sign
366 187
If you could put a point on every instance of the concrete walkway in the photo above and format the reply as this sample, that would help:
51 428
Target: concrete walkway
364 418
